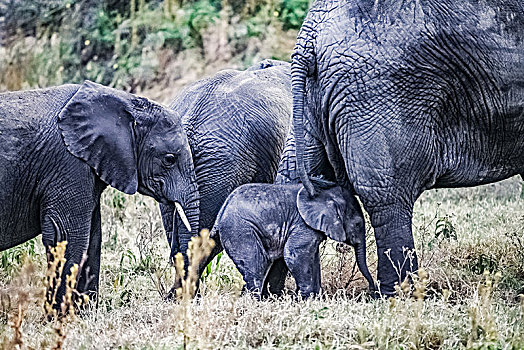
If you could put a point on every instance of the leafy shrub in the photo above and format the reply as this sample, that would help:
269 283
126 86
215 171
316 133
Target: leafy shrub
292 13
483 263
122 43
23 17
11 260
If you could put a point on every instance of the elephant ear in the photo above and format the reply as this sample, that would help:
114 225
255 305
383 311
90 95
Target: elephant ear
97 127
322 212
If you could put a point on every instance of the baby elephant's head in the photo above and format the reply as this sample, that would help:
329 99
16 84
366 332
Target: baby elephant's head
336 212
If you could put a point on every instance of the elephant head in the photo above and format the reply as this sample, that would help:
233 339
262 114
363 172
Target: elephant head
336 212
134 145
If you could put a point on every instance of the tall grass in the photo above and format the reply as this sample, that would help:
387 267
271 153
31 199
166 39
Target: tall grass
457 304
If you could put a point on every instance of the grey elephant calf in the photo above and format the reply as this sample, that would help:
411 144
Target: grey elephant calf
267 229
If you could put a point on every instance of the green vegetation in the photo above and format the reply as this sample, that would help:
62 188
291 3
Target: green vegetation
11 260
131 44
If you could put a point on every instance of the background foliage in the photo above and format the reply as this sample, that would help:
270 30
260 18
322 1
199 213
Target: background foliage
136 44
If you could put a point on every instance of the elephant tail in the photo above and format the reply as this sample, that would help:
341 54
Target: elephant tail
302 63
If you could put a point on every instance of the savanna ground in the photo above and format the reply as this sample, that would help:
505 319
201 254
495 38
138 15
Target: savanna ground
470 242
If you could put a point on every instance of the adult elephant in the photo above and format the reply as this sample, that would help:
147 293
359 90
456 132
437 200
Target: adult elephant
405 96
236 124
61 146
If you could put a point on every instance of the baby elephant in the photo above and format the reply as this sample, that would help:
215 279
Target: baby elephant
267 229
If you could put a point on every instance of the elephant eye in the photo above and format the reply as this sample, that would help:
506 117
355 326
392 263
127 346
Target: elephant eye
169 159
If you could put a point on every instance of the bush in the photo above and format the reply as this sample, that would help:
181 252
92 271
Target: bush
292 13
125 43
11 260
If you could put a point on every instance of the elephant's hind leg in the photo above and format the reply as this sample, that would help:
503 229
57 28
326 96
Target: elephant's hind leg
276 278
253 271
249 256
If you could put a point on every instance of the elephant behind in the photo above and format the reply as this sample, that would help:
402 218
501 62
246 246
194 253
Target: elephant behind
236 124
59 149
400 97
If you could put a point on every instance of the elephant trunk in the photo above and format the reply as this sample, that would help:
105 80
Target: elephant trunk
168 220
178 218
181 216
299 70
360 254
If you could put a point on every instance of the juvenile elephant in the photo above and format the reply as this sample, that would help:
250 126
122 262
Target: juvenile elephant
404 96
236 124
61 146
267 229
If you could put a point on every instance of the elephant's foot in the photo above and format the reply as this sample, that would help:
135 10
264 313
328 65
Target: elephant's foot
396 265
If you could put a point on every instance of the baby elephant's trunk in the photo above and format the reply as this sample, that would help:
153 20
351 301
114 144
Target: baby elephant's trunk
360 254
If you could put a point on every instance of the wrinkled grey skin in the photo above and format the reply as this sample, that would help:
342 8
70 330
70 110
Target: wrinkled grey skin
404 96
282 219
61 146
267 229
236 124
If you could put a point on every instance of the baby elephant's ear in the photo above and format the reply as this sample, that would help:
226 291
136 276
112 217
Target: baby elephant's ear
323 212
98 127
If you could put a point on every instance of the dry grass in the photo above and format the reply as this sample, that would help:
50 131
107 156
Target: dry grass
472 289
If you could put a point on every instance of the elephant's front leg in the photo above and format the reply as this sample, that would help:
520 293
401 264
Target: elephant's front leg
395 246
302 257
89 273
71 222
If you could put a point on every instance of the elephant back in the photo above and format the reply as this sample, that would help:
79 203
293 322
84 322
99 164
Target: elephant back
240 111
236 123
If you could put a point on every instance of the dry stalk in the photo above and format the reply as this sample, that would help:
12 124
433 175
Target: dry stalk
483 325
53 276
20 287
198 250
420 285
71 301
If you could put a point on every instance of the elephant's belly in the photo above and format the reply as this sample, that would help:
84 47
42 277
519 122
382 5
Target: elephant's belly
476 177
17 228
480 158
8 241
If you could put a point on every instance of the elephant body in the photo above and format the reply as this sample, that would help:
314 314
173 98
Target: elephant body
24 178
268 229
45 189
61 146
236 124
400 97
